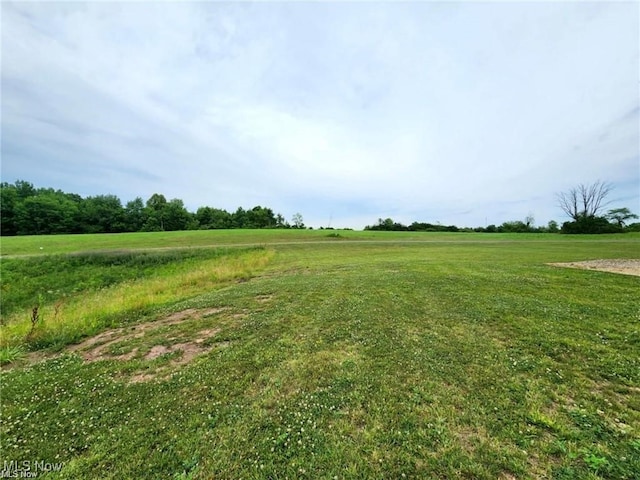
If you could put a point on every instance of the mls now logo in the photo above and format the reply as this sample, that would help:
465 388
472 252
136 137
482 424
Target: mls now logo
28 468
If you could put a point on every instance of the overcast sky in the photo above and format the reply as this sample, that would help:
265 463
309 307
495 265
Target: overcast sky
460 113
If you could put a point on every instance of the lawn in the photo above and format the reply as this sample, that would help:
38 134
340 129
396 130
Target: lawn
302 355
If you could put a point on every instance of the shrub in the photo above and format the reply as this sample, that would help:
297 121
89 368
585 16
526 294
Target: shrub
590 224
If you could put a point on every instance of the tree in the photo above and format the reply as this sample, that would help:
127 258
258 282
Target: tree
260 217
25 189
156 201
155 212
134 216
590 225
27 210
297 220
212 218
101 214
281 222
8 203
46 213
238 218
176 216
552 226
529 221
514 226
620 215
584 201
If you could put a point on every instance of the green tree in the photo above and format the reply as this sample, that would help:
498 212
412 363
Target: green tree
134 215
239 218
281 222
102 214
620 216
155 213
515 226
25 189
592 224
260 217
213 218
46 213
386 224
176 216
8 204
156 202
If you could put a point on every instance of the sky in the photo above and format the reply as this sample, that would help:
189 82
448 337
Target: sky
465 113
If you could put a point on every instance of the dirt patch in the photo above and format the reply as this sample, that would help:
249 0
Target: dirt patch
92 348
625 266
131 342
187 352
156 352
468 439
142 377
102 346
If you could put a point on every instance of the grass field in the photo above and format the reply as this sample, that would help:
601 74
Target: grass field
295 354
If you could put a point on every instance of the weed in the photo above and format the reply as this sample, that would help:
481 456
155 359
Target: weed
10 354
35 321
595 462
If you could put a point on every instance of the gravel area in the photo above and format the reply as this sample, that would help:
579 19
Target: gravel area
626 266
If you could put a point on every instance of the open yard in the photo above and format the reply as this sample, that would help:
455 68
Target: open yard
320 355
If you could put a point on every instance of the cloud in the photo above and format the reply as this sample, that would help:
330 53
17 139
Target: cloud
421 111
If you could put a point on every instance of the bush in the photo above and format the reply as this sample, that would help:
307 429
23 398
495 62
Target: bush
590 224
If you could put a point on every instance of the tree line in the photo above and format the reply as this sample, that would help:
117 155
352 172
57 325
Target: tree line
515 226
27 210
584 204
614 223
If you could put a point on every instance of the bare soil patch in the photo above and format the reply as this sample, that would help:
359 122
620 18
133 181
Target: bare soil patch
97 347
100 347
185 346
625 266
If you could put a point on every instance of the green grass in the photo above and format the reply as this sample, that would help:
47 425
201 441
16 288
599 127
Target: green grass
50 244
51 278
358 357
58 299
53 244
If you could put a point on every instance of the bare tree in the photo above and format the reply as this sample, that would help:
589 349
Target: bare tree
529 220
584 201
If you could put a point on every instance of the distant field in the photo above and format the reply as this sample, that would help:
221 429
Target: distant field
295 354
48 244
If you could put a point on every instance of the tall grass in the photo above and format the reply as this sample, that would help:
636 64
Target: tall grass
141 282
53 278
